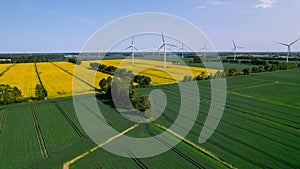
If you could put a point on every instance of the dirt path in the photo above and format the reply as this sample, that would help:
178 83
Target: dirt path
195 146
67 164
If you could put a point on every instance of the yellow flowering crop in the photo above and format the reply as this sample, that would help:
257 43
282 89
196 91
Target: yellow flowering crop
59 83
22 76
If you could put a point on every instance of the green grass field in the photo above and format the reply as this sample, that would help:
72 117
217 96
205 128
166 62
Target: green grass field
259 129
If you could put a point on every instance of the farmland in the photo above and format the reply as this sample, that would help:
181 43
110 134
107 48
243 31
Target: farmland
259 127
62 79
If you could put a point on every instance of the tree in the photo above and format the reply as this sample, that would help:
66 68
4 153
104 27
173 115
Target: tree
187 78
40 92
246 71
9 94
255 69
105 84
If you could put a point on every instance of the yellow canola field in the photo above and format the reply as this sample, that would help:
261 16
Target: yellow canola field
91 77
172 74
3 67
59 83
23 76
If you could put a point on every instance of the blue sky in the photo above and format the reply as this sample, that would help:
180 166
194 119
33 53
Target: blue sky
60 26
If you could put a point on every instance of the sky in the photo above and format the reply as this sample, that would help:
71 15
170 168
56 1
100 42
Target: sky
65 26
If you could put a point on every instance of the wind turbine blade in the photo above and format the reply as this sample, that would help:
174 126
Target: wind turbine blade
172 45
162 37
136 49
132 40
128 47
294 42
283 44
233 44
161 47
240 47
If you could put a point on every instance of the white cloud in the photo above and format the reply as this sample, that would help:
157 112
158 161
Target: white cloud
218 3
201 7
265 4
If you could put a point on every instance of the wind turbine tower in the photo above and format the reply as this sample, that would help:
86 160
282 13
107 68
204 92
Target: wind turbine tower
164 46
133 49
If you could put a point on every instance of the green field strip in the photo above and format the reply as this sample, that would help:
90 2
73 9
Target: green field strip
39 134
19 146
136 160
71 74
7 69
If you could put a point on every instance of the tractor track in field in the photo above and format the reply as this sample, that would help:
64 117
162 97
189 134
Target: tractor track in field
75 76
39 134
67 164
38 75
182 155
67 118
1 119
238 141
7 69
195 146
136 160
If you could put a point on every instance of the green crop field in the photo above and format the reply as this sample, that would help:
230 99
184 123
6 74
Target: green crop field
260 128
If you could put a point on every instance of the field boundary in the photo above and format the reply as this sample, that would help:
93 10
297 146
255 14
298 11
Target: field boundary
7 69
195 146
1 118
39 134
67 118
67 164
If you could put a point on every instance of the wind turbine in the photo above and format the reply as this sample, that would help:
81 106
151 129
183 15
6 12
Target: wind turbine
98 50
235 47
204 49
133 48
289 48
181 49
164 46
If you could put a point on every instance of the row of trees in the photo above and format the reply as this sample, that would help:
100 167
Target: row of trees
141 80
103 68
75 61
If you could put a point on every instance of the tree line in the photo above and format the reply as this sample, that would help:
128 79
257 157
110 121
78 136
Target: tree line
140 80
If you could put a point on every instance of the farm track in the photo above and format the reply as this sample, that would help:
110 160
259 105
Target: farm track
38 75
182 155
74 76
1 119
39 134
195 146
238 141
67 118
7 69
67 164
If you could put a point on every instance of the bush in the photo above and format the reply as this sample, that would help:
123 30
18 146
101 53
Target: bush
9 94
40 92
